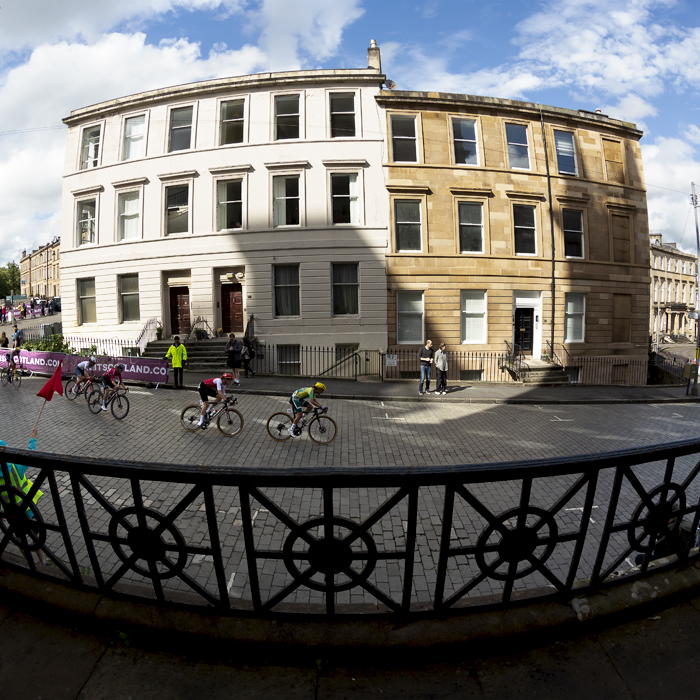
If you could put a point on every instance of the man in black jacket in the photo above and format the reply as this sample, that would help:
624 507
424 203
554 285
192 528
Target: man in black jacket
425 355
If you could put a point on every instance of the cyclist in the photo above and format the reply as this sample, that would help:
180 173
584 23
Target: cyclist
304 398
80 370
216 388
12 361
108 379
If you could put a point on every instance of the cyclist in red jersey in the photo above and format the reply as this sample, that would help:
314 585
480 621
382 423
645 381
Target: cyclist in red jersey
215 388
108 379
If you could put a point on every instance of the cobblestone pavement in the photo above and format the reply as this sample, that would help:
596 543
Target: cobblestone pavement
370 434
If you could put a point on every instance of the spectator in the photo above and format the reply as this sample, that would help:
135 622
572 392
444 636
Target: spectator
441 368
179 354
234 351
19 480
247 356
425 355
4 341
4 313
16 337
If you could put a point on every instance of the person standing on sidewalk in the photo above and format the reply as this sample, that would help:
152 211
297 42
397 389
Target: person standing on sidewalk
247 356
234 352
425 355
179 354
441 368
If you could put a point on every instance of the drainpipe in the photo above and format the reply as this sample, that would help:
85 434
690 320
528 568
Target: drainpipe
551 225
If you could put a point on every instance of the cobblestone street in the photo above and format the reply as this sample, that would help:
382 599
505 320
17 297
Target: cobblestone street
370 433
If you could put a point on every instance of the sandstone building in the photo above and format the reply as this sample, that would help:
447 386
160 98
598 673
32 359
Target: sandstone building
40 271
673 290
483 255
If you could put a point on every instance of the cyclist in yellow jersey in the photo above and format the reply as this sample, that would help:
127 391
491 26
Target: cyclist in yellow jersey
304 399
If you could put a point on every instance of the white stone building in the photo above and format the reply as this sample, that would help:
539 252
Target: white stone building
257 195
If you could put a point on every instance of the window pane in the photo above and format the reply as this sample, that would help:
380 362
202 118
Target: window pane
86 287
342 115
345 273
287 290
134 129
516 136
232 132
574 303
232 110
464 141
403 126
130 283
129 215
473 317
130 308
180 128
566 158
177 209
464 129
88 312
465 153
409 302
407 211
404 150
287 127
573 220
230 205
287 274
86 221
345 289
181 117
524 216
471 238
90 151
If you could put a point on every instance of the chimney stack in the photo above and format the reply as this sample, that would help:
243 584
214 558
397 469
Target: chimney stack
374 58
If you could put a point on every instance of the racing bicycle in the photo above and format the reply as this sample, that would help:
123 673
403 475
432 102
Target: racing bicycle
229 420
13 376
89 385
117 400
322 429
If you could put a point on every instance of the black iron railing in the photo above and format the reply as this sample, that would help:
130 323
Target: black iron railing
369 540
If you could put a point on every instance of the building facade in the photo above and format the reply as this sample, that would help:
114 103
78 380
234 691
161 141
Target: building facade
258 196
40 271
499 238
673 291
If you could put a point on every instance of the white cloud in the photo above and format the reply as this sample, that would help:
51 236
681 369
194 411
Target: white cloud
631 108
30 23
670 165
692 133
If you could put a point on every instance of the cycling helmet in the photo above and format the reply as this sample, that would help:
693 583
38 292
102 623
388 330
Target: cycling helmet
319 387
120 367
92 358
226 375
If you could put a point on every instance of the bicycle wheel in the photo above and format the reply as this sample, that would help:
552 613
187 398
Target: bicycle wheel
322 430
95 387
71 385
230 422
120 406
278 426
189 418
95 401
16 378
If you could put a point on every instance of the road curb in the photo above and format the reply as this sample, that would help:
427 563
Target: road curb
129 610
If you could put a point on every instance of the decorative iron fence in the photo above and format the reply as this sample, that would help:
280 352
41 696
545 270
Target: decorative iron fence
339 362
461 366
401 540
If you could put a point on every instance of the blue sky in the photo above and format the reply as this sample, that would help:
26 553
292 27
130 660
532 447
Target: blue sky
636 61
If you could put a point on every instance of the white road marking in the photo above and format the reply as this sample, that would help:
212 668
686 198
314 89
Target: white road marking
230 582
556 419
676 415
581 509
136 391
382 404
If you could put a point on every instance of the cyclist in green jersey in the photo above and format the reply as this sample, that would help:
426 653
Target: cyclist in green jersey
304 399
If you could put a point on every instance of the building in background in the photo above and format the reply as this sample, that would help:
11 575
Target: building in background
40 271
260 195
481 256
673 291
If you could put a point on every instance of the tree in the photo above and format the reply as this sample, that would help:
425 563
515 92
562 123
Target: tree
9 279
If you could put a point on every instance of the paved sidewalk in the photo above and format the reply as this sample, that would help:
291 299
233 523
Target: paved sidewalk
464 392
645 659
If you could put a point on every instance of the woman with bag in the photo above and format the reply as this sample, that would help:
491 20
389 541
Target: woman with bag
247 356
441 365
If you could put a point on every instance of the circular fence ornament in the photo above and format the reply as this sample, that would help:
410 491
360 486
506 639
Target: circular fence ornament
145 541
652 524
515 545
16 520
331 556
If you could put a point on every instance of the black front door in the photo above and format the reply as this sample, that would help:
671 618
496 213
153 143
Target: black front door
523 329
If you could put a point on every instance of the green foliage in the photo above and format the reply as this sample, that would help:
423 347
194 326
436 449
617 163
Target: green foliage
54 343
9 279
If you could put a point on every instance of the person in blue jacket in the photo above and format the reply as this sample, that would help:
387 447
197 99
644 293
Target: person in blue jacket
22 483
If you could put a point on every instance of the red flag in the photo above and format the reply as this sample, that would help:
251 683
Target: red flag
54 384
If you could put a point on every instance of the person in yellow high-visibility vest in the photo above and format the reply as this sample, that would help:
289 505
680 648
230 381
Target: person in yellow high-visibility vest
179 354
19 481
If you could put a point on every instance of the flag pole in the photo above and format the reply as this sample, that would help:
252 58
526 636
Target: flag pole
39 416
